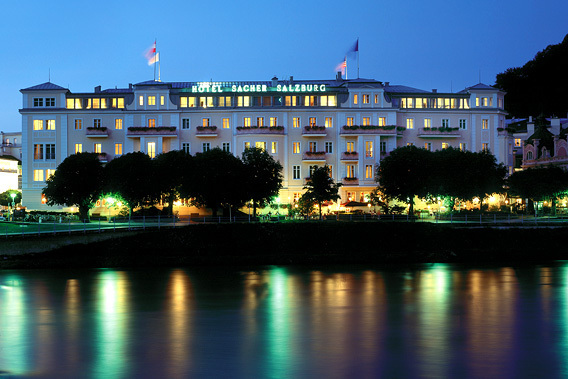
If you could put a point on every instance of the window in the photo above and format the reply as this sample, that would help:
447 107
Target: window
313 147
274 147
117 149
330 170
151 149
355 99
98 148
96 123
78 148
185 123
247 122
118 102
485 146
296 172
243 101
463 146
96 103
273 121
366 99
151 122
376 99
48 173
185 147
445 145
290 101
329 147
349 121
296 147
312 121
225 101
205 122
260 145
410 144
260 121
226 147
50 102
428 146
296 122
38 102
517 142
463 123
311 101
366 121
484 123
427 123
328 122
207 147
38 151
312 169
140 100
529 155
350 147
350 171
38 175
78 124
226 123
382 121
247 145
445 123
118 123
369 149
369 171
50 151
296 196
38 124
162 100
383 147
327 101
409 123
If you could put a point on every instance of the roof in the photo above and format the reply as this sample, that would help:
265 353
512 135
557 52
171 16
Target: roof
47 86
403 89
480 87
10 158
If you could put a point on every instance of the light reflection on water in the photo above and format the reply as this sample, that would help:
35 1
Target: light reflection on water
434 321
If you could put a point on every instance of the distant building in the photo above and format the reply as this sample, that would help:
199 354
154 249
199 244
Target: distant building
348 124
10 163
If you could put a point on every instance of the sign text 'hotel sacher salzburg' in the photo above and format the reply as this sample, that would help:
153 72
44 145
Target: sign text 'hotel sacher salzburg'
218 88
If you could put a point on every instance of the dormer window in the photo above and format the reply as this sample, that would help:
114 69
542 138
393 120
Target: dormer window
38 102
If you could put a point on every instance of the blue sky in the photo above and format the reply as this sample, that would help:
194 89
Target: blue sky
447 45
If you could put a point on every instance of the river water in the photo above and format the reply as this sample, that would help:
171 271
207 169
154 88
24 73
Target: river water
419 321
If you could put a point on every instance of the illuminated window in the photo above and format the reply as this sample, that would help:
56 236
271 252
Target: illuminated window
350 171
410 144
419 103
183 102
428 146
312 121
38 124
49 173
296 147
369 149
226 147
117 149
206 147
376 99
78 148
70 103
382 121
225 101
409 123
366 121
78 124
162 100
427 123
140 100
464 103
118 123
296 173
151 100
311 101
119 102
517 142
50 151
38 151
313 147
151 122
485 146
500 102
185 147
98 148
349 121
274 147
291 101
328 101
445 145
329 147
445 123
484 123
296 122
206 102
38 102
151 149
296 196
355 99
484 101
246 122
96 103
226 123
366 99
260 145
185 123
50 124
350 147
247 145
260 121
38 175
463 123
205 122
273 121
243 101
463 146
369 171
96 123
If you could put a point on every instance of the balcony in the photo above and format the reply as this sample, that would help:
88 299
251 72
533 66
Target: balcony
350 156
350 181
94 132
441 132
387 130
242 130
160 131
314 156
314 131
206 131
103 157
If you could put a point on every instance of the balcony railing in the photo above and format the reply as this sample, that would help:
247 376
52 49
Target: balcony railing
314 130
157 131
349 156
103 157
260 130
440 132
97 132
391 130
206 131
314 156
350 181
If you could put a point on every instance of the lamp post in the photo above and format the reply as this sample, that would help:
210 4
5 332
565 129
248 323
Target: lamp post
13 196
110 202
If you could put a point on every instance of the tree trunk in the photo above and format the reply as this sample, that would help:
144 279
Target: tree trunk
411 208
84 213
319 205
254 209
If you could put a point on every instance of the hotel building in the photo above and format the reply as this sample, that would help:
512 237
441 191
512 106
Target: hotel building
348 124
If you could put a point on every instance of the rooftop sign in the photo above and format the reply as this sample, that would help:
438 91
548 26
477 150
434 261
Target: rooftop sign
207 87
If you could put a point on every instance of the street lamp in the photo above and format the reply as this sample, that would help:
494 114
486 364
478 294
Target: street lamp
13 196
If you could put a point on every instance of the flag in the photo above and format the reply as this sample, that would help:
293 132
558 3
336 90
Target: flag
151 54
354 49
341 67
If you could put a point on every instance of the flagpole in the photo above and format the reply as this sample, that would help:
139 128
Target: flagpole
357 57
155 52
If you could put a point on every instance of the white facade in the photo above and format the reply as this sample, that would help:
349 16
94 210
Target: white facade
347 124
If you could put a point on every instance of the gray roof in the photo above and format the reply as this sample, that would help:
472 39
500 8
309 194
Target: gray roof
480 86
403 89
10 158
47 86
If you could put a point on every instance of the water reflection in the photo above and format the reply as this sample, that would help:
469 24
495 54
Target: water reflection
428 321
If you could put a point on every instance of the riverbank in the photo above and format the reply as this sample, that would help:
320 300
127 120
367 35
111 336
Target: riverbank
287 243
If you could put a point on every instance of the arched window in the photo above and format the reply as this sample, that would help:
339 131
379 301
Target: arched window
529 156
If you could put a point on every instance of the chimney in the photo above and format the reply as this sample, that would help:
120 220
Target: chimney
387 84
130 86
97 89
274 81
338 77
435 90
291 79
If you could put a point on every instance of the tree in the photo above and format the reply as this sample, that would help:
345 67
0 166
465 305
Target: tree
170 172
321 187
538 184
217 180
262 176
77 181
6 197
406 173
130 175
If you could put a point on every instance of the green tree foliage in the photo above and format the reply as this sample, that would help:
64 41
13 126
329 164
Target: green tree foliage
77 182
321 187
171 171
263 176
540 85
216 180
6 197
130 175
538 184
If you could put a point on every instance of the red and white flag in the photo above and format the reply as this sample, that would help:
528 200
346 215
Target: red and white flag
151 54
341 67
